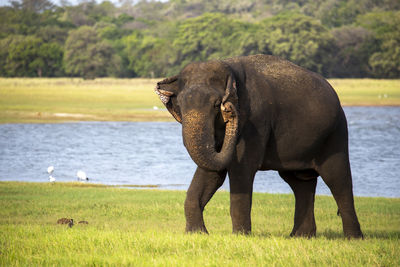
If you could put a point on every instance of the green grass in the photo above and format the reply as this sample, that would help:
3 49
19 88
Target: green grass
63 99
145 228
367 92
107 99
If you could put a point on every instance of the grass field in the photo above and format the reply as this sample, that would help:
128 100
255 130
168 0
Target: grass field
63 99
107 99
145 228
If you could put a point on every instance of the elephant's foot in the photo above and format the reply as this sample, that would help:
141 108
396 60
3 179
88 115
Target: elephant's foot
241 224
306 229
351 226
241 231
304 225
194 219
354 233
308 233
196 229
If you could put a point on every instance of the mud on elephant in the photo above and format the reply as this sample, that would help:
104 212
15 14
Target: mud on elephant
245 114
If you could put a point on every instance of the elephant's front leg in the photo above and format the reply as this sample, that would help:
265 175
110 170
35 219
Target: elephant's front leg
241 190
204 185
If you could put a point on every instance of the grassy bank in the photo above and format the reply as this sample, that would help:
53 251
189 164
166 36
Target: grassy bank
145 227
63 99
107 99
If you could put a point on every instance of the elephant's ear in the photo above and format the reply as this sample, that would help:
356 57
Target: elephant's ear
229 105
167 90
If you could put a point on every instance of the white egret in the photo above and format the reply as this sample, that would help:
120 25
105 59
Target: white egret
82 176
50 169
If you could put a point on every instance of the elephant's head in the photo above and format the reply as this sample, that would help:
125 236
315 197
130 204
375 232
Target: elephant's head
203 97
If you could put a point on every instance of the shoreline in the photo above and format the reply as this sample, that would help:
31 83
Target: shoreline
155 187
160 116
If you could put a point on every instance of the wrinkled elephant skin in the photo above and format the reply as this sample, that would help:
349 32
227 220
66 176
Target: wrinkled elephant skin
245 114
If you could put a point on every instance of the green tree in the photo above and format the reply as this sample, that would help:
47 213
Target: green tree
88 56
114 35
5 44
354 47
342 38
30 56
53 33
335 13
210 36
385 62
147 56
36 6
27 18
88 13
298 38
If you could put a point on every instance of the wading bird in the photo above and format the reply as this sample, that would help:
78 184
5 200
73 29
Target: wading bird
50 170
82 176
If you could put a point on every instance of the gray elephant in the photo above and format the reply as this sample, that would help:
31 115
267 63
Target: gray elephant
259 112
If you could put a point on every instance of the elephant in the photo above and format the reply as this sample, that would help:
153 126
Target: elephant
260 112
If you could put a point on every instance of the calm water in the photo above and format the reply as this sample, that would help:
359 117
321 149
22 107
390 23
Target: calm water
152 153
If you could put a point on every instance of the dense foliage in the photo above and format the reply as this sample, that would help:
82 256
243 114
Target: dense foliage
336 38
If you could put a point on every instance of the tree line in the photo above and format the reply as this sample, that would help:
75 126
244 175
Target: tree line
336 38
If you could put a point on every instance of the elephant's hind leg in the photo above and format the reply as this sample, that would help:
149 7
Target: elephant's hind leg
202 188
304 192
336 173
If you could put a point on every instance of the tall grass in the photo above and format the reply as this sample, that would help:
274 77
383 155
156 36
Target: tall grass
145 228
66 99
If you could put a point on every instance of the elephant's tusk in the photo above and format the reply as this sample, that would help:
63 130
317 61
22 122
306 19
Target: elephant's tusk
166 93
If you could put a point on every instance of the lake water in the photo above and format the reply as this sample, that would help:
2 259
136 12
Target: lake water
152 153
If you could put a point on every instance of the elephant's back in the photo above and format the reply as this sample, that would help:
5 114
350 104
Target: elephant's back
269 65
286 85
281 75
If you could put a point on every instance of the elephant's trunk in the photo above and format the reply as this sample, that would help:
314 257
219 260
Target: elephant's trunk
199 139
